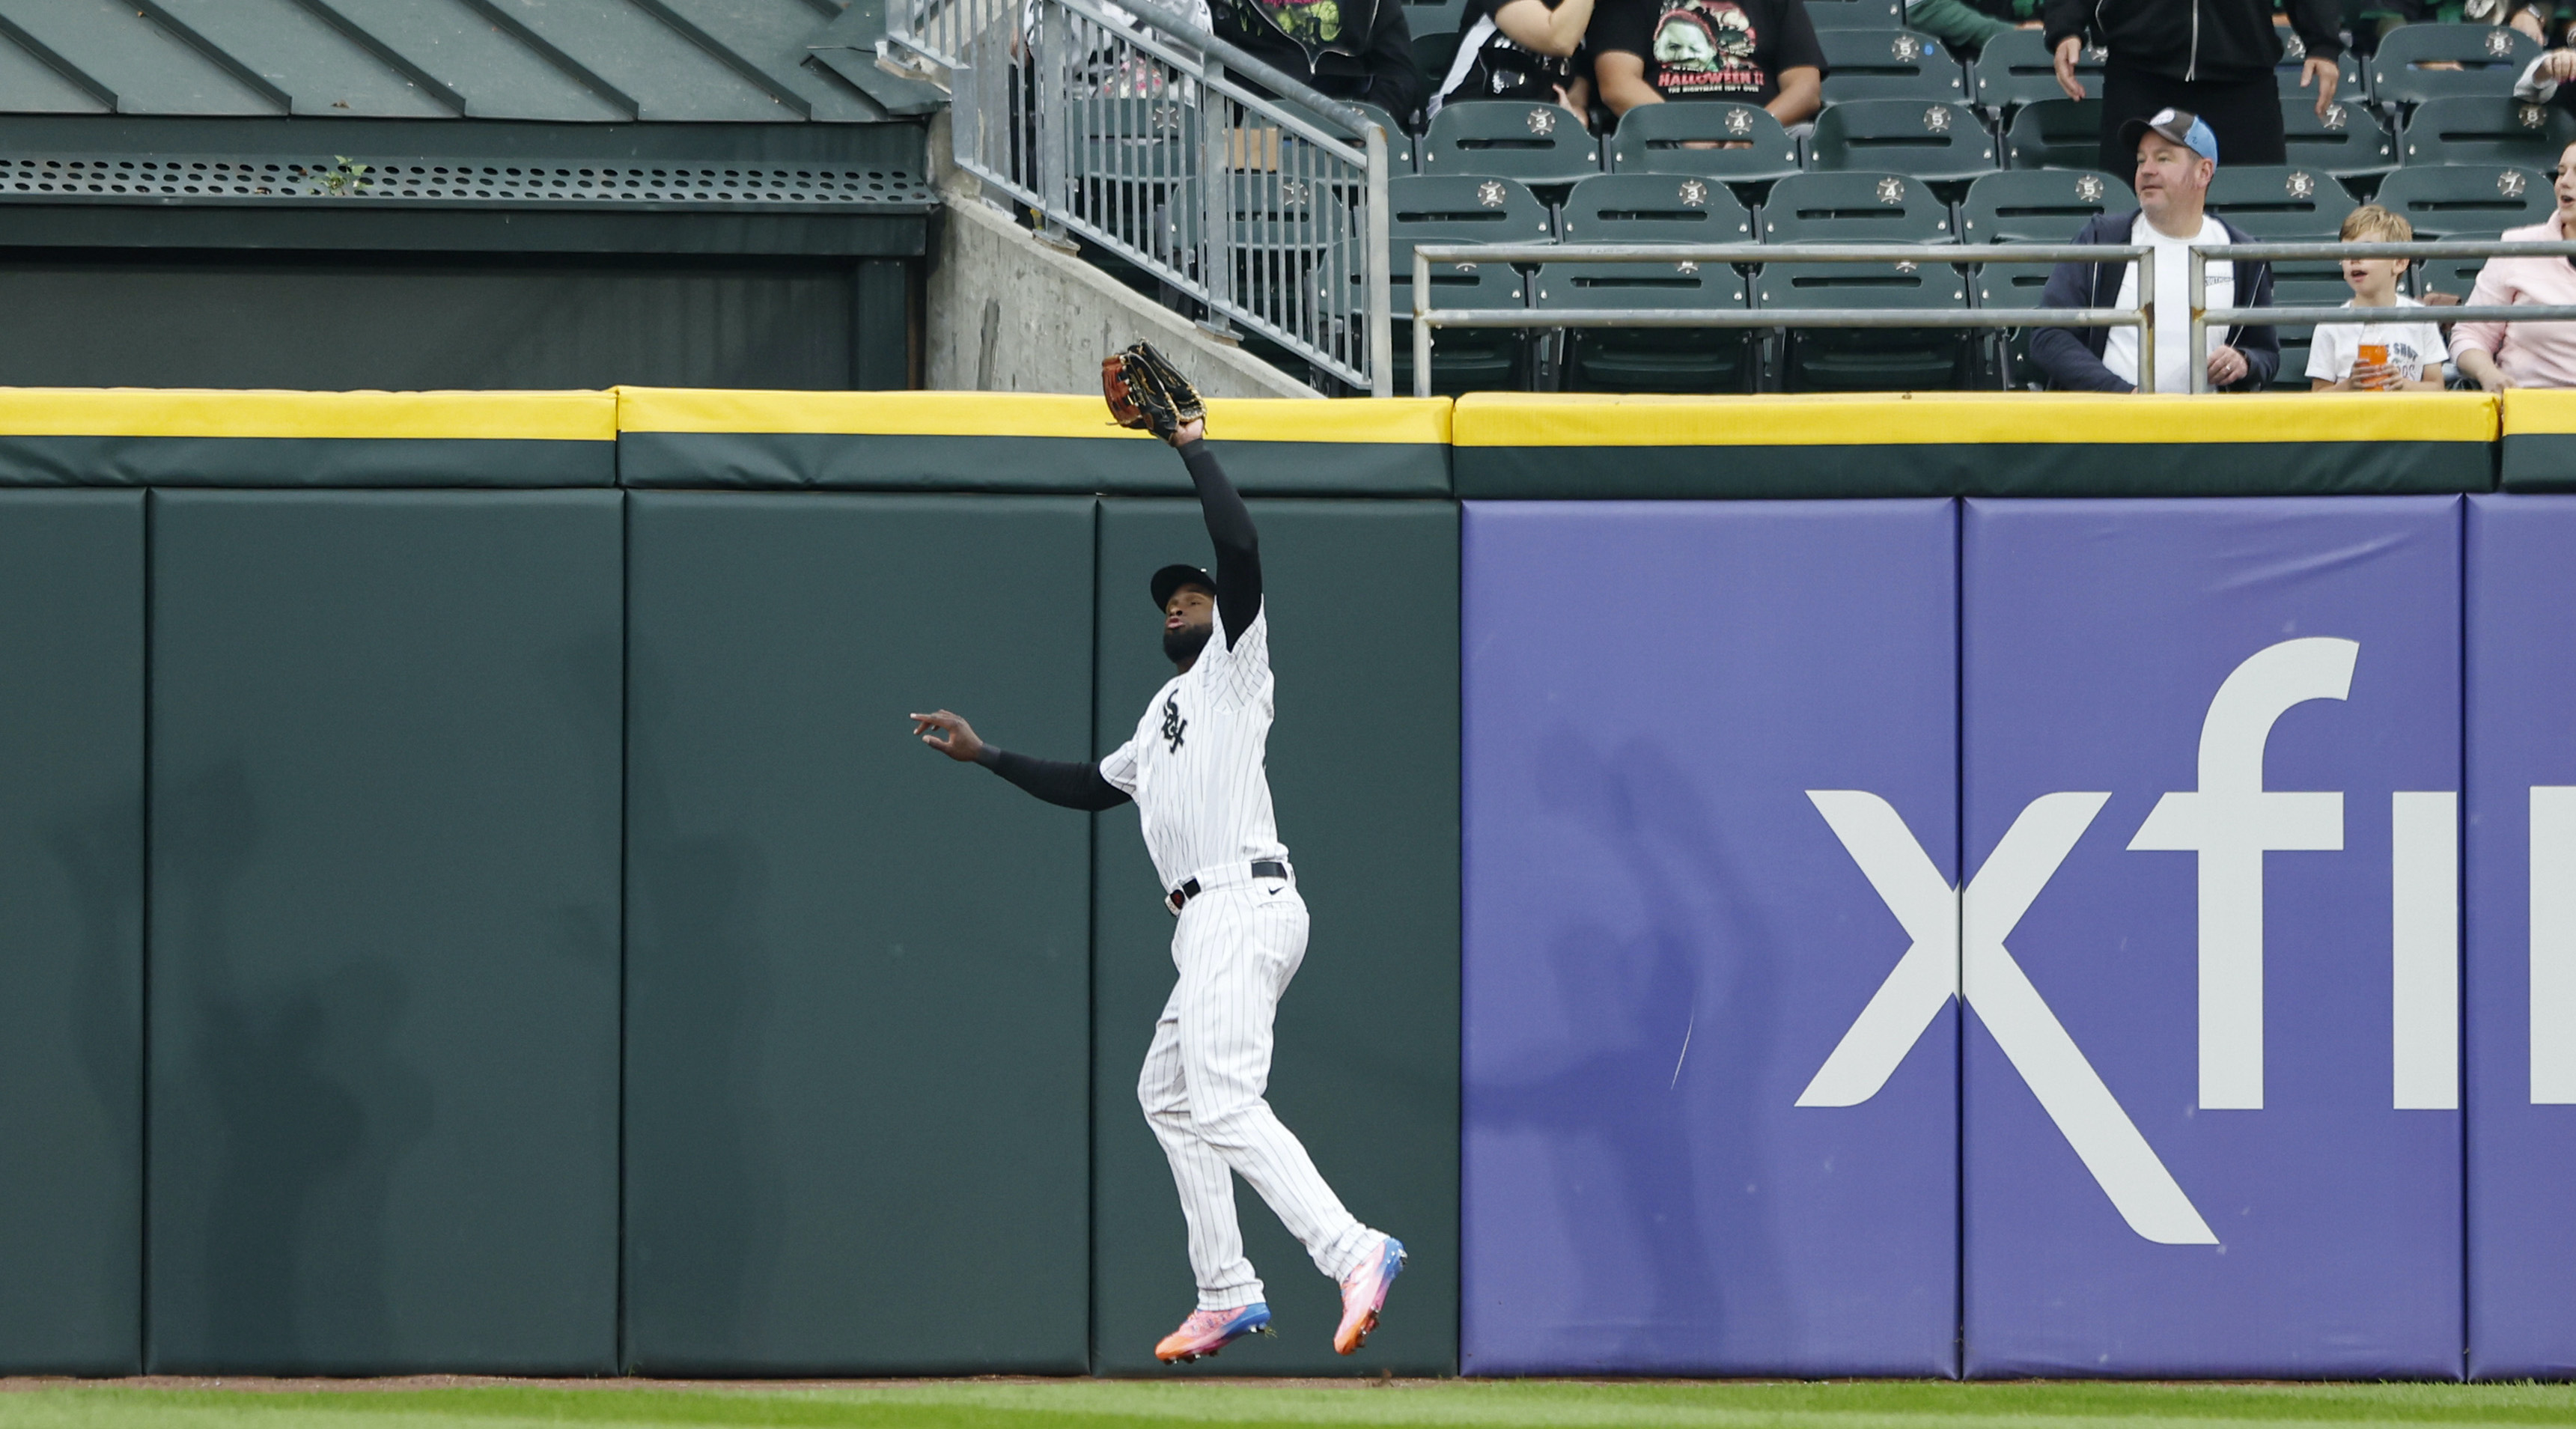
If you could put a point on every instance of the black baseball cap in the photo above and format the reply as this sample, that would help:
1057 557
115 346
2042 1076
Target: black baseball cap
2180 125
1172 578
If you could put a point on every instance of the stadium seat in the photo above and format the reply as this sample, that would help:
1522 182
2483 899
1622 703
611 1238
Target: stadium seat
1855 208
2352 88
2348 143
1927 141
2488 131
1651 359
1433 17
2015 69
1889 64
2456 276
1463 359
2010 285
2056 134
2490 59
1399 145
1855 14
2280 202
2446 200
1870 359
1445 209
1653 208
1535 143
1653 138
2038 205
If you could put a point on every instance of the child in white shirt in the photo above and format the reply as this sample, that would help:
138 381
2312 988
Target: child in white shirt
2408 354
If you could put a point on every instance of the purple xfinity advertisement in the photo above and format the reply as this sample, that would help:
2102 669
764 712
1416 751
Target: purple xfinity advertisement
1710 823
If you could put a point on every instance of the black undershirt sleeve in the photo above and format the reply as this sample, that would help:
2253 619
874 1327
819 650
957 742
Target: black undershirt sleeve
1238 549
1073 786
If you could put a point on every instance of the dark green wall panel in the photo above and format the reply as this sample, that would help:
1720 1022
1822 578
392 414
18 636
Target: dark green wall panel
385 929
71 932
858 973
310 462
792 460
1363 760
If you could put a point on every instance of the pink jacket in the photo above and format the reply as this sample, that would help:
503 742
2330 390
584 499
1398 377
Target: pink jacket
2531 354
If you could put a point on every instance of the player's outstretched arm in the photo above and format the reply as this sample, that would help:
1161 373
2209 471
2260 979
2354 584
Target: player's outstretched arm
1073 786
1229 524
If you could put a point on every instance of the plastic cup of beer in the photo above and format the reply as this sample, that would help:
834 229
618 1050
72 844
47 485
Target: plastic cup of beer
2373 354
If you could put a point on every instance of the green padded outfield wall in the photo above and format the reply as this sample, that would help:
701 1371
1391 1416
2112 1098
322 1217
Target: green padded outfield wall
1363 759
858 972
1530 446
71 931
384 957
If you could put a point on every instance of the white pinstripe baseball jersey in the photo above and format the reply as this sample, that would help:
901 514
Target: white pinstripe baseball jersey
1197 764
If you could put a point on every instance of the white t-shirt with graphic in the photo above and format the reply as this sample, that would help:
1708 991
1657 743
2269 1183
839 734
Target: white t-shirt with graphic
2412 347
2173 305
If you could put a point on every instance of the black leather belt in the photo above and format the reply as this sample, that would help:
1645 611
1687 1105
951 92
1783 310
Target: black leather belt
1179 897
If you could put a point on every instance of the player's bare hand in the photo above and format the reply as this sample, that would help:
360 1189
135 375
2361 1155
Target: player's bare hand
2069 50
948 733
1189 431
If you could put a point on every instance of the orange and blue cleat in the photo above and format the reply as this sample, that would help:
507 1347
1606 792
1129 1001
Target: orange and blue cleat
1207 1331
1364 1294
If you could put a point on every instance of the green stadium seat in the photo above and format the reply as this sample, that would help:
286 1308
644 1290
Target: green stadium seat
2490 59
1855 208
1927 141
2038 205
1870 359
1889 64
2447 200
1534 143
2056 134
1654 139
2456 276
2488 131
1429 209
1399 145
1651 359
1433 17
2015 68
1443 209
2017 286
2277 201
2348 143
1652 208
1463 359
1855 14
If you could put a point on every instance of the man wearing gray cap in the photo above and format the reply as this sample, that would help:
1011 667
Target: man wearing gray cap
2176 157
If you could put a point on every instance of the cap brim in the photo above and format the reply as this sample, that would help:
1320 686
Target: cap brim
1172 578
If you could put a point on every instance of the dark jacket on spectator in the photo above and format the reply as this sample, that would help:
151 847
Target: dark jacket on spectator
2072 357
1371 63
2212 40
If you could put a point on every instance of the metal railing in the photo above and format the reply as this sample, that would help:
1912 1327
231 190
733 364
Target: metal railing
2202 317
1426 317
1132 127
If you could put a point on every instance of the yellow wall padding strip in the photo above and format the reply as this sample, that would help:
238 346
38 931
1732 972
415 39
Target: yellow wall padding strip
1513 419
143 412
2533 412
1017 414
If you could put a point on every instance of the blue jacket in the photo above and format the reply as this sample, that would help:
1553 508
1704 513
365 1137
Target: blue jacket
2072 357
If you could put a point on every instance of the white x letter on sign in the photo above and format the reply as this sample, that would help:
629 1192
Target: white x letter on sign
1941 920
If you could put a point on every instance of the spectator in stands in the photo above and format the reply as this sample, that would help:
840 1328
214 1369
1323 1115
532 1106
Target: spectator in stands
2406 356
2545 79
2501 355
2213 58
1962 25
1520 49
1358 50
2176 156
1751 51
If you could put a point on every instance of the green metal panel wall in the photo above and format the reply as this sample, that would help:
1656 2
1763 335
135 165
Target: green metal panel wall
385 931
1363 601
346 322
71 931
858 973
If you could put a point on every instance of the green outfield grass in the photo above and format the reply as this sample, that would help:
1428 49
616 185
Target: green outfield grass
1097 1404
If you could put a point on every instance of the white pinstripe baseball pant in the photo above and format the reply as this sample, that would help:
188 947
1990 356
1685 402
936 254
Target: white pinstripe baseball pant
1236 948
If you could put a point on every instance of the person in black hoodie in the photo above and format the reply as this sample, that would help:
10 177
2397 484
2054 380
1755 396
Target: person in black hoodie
1355 50
2212 57
2176 157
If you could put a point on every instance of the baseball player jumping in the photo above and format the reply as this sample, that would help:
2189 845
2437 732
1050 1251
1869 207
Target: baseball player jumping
1195 769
